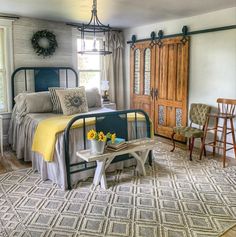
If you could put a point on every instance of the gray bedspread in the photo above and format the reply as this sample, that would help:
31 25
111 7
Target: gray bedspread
21 138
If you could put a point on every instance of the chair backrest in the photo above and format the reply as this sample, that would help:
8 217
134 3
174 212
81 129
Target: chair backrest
226 106
198 113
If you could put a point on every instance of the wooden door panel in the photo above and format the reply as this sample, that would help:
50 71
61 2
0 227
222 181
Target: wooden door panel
143 99
163 65
179 84
170 117
171 79
172 86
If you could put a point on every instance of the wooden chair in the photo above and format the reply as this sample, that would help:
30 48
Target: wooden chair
226 112
198 114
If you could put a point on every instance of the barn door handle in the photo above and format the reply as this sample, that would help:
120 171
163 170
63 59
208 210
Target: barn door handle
156 94
152 93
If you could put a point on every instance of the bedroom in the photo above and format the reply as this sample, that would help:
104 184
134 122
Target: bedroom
211 74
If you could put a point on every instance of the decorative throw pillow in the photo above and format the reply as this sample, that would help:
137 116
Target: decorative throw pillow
56 105
73 101
93 97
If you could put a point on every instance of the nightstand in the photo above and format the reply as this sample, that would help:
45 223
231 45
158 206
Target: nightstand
109 105
1 134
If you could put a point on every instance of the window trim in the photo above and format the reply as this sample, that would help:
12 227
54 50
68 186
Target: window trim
6 25
101 70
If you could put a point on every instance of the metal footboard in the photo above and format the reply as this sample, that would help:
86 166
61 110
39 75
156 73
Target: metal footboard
114 122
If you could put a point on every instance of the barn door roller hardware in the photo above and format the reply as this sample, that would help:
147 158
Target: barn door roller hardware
157 39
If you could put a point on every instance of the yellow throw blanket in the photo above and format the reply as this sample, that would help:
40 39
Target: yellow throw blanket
45 135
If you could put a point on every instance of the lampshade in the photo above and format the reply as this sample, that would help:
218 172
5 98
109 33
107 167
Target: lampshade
104 85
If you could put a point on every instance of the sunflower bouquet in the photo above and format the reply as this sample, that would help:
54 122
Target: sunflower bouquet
100 136
98 140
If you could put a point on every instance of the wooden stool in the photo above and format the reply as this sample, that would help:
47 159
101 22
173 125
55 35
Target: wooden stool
226 108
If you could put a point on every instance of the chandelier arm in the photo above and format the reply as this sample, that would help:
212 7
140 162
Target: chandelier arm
99 23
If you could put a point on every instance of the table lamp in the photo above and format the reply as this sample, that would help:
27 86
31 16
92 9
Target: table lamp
105 88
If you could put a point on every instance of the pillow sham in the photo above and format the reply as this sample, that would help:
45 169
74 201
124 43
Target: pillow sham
73 100
93 98
38 102
34 102
56 104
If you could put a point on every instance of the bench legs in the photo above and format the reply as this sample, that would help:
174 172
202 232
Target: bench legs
141 159
100 176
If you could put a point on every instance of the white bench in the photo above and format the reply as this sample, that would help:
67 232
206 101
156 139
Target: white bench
139 149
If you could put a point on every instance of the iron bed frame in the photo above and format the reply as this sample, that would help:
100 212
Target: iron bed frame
114 122
43 77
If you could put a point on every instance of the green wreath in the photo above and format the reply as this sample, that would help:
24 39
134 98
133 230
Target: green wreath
44 43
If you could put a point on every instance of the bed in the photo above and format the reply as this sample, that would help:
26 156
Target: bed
66 169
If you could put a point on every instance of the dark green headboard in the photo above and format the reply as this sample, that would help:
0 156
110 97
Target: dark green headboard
42 78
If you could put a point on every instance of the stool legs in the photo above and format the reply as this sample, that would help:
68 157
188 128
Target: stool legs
224 141
233 136
215 136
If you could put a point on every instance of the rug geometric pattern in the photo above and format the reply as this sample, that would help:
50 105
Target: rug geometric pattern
177 198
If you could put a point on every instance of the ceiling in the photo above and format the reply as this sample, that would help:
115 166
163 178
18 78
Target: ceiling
117 13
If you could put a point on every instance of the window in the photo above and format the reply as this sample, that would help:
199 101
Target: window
3 92
6 64
89 67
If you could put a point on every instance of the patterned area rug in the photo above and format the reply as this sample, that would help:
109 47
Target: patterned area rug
177 198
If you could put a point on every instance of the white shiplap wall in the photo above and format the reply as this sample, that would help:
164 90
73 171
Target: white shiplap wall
24 55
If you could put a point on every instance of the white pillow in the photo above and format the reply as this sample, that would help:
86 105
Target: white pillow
36 102
93 97
39 102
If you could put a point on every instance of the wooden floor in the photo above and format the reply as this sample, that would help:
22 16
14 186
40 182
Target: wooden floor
10 163
230 233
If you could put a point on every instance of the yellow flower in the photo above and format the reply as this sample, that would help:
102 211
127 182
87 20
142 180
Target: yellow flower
102 137
91 134
113 137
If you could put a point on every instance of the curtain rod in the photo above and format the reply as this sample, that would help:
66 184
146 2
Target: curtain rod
184 33
78 25
9 17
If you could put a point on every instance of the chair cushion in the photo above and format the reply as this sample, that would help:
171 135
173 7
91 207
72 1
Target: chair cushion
188 131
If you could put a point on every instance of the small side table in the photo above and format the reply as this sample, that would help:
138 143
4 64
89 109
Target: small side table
109 105
139 149
1 134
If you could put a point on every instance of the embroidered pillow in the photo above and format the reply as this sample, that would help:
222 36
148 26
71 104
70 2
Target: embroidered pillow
73 101
56 104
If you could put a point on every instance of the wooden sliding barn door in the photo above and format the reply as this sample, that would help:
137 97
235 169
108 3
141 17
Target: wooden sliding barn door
159 83
142 73
171 86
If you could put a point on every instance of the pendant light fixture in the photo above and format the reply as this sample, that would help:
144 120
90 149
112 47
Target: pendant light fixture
97 31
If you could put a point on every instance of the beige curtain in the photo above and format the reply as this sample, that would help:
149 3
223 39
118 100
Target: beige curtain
113 69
